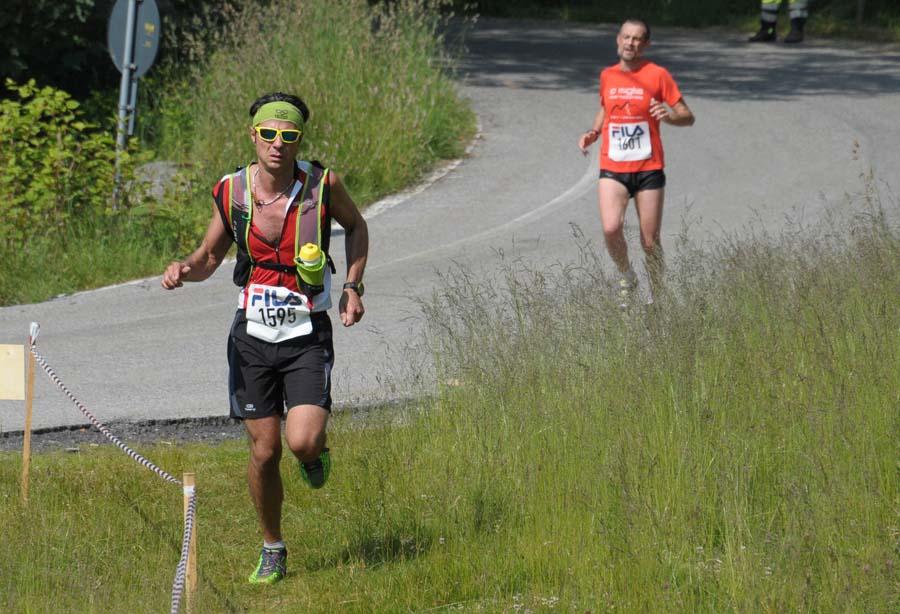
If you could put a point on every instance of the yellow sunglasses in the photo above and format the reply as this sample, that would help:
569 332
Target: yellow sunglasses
288 135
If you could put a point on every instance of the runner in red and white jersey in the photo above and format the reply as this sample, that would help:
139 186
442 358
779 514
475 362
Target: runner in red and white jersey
636 95
277 211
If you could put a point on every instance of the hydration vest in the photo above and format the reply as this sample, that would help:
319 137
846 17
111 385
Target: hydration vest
313 222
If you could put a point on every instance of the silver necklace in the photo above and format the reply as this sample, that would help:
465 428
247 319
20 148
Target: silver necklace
259 203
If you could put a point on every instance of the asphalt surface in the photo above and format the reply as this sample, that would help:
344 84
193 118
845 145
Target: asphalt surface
781 133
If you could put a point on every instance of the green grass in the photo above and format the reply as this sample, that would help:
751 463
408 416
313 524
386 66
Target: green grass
734 449
88 255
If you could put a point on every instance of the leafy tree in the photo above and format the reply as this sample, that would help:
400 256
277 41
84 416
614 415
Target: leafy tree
61 44
64 44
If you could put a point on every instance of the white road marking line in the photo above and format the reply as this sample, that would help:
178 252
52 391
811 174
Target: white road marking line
576 191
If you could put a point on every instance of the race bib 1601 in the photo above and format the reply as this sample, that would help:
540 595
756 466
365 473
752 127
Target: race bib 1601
629 142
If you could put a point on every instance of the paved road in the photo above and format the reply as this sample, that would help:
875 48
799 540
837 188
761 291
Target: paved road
776 128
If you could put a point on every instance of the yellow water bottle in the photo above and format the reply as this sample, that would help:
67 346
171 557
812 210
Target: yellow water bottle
310 265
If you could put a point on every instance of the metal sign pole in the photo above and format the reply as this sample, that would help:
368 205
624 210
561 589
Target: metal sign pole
133 39
132 106
124 88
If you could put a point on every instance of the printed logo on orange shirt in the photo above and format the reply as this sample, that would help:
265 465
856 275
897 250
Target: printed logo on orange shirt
626 93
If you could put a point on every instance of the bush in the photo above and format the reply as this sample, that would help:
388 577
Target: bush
62 231
53 165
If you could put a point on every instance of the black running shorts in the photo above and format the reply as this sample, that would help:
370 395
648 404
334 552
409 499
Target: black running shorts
264 378
635 182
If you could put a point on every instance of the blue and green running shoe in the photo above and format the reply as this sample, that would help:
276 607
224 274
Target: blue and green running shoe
315 473
272 566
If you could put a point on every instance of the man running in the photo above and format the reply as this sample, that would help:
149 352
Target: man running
635 96
278 210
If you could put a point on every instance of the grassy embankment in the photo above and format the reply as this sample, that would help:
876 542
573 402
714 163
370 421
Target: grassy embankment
735 449
384 110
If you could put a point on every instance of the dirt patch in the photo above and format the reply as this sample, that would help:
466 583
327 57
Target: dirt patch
211 430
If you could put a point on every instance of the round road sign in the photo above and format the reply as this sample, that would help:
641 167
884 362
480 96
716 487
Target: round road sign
146 35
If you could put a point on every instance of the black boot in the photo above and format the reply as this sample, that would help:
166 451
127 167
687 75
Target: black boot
796 33
766 33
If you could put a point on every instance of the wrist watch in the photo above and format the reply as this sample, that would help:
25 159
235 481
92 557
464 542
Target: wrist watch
357 286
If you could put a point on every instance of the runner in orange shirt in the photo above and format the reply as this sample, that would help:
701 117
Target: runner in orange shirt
635 96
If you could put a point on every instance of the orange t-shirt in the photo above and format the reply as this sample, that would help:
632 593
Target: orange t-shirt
630 136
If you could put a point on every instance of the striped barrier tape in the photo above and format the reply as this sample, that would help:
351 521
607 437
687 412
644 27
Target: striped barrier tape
181 569
32 338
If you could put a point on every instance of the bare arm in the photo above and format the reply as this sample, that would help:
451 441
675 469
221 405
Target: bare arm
678 115
590 137
205 259
356 242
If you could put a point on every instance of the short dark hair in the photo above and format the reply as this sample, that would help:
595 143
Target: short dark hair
640 22
280 97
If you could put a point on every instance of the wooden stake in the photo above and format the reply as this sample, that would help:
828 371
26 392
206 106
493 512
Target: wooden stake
26 444
190 576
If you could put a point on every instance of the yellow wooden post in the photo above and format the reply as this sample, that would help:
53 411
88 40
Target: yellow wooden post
12 388
190 576
26 444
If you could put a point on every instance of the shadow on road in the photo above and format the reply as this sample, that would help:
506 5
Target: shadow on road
709 64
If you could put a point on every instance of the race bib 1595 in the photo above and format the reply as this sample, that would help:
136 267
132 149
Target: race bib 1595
275 313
